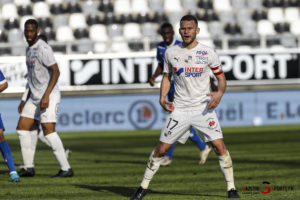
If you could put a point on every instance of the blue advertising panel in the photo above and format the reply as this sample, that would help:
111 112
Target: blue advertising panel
142 111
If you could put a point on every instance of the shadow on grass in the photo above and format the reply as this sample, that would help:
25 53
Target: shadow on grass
128 191
4 171
122 161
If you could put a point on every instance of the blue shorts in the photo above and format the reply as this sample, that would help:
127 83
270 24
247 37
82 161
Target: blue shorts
1 124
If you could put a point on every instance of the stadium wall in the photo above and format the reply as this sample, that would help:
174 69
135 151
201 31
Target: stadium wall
142 111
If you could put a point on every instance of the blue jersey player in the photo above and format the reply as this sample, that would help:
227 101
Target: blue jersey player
5 150
167 33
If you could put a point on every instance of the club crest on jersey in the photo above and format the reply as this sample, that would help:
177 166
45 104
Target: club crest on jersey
189 59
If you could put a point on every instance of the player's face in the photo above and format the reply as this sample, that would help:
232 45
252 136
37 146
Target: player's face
188 31
31 32
167 35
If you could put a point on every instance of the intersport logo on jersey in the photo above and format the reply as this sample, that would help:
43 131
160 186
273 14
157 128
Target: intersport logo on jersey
189 71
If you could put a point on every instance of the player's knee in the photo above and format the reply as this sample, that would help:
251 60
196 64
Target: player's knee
160 152
219 148
48 128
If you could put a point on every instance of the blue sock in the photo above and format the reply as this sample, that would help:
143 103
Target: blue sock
6 153
197 140
170 152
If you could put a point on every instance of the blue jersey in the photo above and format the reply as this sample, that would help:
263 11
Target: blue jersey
2 80
161 50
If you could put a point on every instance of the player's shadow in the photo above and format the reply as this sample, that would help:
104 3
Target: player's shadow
3 171
123 162
128 191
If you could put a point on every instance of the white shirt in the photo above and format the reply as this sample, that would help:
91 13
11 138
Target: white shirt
38 58
190 69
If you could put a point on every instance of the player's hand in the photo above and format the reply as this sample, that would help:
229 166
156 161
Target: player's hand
167 105
44 102
215 100
152 81
21 106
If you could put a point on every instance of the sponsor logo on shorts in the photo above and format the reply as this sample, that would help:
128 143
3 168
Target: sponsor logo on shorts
211 123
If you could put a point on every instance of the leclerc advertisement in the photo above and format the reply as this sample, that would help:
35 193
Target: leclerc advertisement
133 112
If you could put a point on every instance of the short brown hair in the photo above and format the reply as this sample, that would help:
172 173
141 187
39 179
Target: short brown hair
189 18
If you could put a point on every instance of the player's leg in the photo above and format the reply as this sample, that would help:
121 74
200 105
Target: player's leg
28 138
6 153
43 139
48 121
209 127
58 149
155 159
168 157
204 149
226 167
28 141
175 129
40 133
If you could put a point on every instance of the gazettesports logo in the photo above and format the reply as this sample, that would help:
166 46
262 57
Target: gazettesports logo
142 114
265 188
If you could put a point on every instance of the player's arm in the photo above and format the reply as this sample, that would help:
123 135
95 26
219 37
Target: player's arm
213 86
164 89
157 72
24 98
53 80
3 86
216 96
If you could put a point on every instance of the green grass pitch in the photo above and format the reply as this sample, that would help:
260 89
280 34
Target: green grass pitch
110 165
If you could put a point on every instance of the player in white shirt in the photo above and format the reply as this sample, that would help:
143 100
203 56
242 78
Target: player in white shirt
190 65
43 103
35 127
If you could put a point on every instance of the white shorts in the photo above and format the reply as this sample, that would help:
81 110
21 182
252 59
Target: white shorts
179 123
48 115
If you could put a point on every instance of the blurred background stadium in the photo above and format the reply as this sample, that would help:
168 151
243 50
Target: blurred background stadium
100 26
106 53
